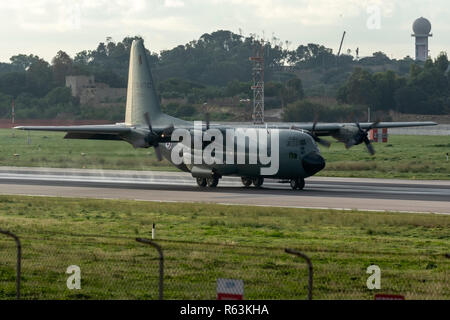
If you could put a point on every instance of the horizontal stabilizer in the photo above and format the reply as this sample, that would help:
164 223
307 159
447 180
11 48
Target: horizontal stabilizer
106 129
91 136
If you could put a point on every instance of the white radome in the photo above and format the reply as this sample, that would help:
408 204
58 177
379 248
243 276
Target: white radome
422 26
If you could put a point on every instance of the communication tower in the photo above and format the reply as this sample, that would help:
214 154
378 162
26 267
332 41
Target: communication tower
258 83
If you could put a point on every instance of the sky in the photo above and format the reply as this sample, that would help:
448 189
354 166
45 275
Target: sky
43 27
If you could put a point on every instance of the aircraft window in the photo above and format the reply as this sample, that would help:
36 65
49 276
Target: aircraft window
293 143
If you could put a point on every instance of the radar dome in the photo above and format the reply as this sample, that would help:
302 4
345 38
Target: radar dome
422 26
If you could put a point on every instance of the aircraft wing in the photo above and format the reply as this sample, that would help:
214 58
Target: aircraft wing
93 132
107 129
331 127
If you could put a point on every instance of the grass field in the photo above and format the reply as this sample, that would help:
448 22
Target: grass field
412 157
203 242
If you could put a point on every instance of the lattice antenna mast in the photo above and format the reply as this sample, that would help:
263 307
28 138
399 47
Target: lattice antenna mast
258 83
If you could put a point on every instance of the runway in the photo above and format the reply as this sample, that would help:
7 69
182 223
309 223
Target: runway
320 192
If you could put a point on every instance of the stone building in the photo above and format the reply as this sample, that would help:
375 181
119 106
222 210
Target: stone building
94 93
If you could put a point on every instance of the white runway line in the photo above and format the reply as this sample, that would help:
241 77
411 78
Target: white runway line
375 195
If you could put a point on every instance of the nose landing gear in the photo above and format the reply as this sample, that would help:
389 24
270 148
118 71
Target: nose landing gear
297 184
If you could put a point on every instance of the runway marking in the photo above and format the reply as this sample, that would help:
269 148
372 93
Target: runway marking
370 195
238 204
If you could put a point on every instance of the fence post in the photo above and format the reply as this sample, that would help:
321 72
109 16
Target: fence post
19 258
310 269
161 263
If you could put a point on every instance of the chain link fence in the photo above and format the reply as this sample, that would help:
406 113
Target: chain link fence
114 267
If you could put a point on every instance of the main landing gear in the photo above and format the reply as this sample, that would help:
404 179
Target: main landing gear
297 183
257 182
210 182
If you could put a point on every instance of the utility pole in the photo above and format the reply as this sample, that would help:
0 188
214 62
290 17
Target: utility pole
258 83
13 116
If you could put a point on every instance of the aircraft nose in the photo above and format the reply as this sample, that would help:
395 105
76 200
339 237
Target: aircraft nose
313 163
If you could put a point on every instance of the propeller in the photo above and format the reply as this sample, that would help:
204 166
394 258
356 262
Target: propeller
313 134
152 137
362 136
316 138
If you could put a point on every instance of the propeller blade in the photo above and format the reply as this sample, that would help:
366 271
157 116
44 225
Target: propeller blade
167 132
369 146
147 120
316 138
373 125
158 153
323 142
207 120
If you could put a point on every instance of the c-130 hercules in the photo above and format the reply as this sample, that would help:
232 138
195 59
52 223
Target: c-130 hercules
285 151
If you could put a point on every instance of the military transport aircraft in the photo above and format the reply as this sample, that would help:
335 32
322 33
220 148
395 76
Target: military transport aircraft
291 152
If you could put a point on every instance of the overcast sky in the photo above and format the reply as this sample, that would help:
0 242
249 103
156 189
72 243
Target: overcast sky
43 27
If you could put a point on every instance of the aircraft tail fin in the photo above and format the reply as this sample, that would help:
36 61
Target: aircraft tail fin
141 93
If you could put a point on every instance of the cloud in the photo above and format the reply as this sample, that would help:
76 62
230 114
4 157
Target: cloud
311 13
49 25
173 3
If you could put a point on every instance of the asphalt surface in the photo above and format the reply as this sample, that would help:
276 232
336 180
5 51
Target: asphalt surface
333 193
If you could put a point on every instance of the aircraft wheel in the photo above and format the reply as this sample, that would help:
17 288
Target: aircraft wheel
212 182
298 184
201 182
301 184
258 182
247 182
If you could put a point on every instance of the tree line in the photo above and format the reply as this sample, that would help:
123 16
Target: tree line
216 66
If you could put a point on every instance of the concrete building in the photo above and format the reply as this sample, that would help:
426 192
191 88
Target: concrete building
94 93
78 83
422 29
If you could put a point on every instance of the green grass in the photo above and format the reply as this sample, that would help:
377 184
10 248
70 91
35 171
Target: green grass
410 157
49 149
203 242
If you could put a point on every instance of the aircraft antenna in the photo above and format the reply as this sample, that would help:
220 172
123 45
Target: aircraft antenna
258 82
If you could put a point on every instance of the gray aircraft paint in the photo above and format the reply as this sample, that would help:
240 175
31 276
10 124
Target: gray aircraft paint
141 93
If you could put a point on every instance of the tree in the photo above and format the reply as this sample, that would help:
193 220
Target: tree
303 111
62 67
442 63
360 88
385 87
24 61
39 78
